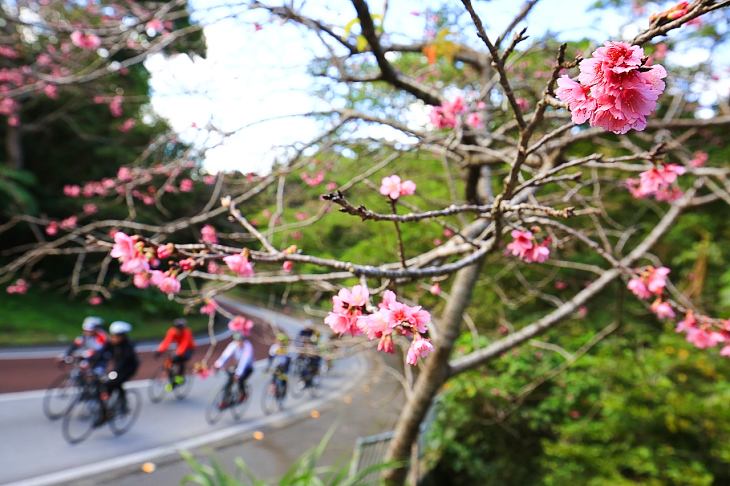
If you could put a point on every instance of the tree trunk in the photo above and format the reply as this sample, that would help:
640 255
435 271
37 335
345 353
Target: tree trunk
14 148
435 372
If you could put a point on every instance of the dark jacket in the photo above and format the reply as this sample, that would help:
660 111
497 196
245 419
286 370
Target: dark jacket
123 354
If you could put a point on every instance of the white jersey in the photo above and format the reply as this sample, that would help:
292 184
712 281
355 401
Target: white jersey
243 355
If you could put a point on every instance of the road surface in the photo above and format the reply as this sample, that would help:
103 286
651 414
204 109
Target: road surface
33 451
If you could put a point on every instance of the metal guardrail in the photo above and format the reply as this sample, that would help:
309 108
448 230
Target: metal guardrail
370 451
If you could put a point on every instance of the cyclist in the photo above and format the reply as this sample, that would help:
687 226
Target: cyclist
242 351
119 349
92 339
183 338
280 360
281 341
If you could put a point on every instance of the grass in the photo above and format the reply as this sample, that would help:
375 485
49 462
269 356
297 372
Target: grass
51 318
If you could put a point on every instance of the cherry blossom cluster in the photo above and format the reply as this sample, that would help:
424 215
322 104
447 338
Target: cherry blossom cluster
617 90
701 332
68 51
394 188
139 260
209 307
239 264
451 113
651 282
19 287
524 246
392 318
240 324
657 182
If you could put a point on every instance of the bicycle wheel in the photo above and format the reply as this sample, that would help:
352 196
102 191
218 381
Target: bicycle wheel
80 419
269 402
158 382
214 409
296 386
60 394
122 420
182 390
236 402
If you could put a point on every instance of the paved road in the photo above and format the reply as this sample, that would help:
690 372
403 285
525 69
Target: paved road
32 450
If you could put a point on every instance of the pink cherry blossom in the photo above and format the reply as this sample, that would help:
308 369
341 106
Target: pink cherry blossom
239 264
420 347
115 106
136 264
407 188
703 339
89 42
186 185
521 244
663 310
688 323
127 125
657 280
699 159
209 179
169 285
90 208
96 300
208 308
9 52
616 91
72 190
638 287
208 234
538 253
241 324
339 323
386 344
20 287
725 351
435 289
391 187
124 174
165 251
287 266
141 280
474 120
52 228
69 222
123 246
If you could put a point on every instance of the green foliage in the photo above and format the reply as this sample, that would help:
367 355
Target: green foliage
304 471
49 317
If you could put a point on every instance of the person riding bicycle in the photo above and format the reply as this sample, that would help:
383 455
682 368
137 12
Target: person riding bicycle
280 342
92 339
183 338
241 350
312 359
120 350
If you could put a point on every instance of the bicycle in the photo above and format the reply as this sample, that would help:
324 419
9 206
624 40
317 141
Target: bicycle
163 377
275 392
227 398
91 411
63 389
308 377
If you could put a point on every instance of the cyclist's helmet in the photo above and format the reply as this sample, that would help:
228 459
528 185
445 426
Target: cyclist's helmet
237 336
181 322
91 323
120 327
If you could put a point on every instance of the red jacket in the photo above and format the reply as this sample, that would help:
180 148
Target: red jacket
183 339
